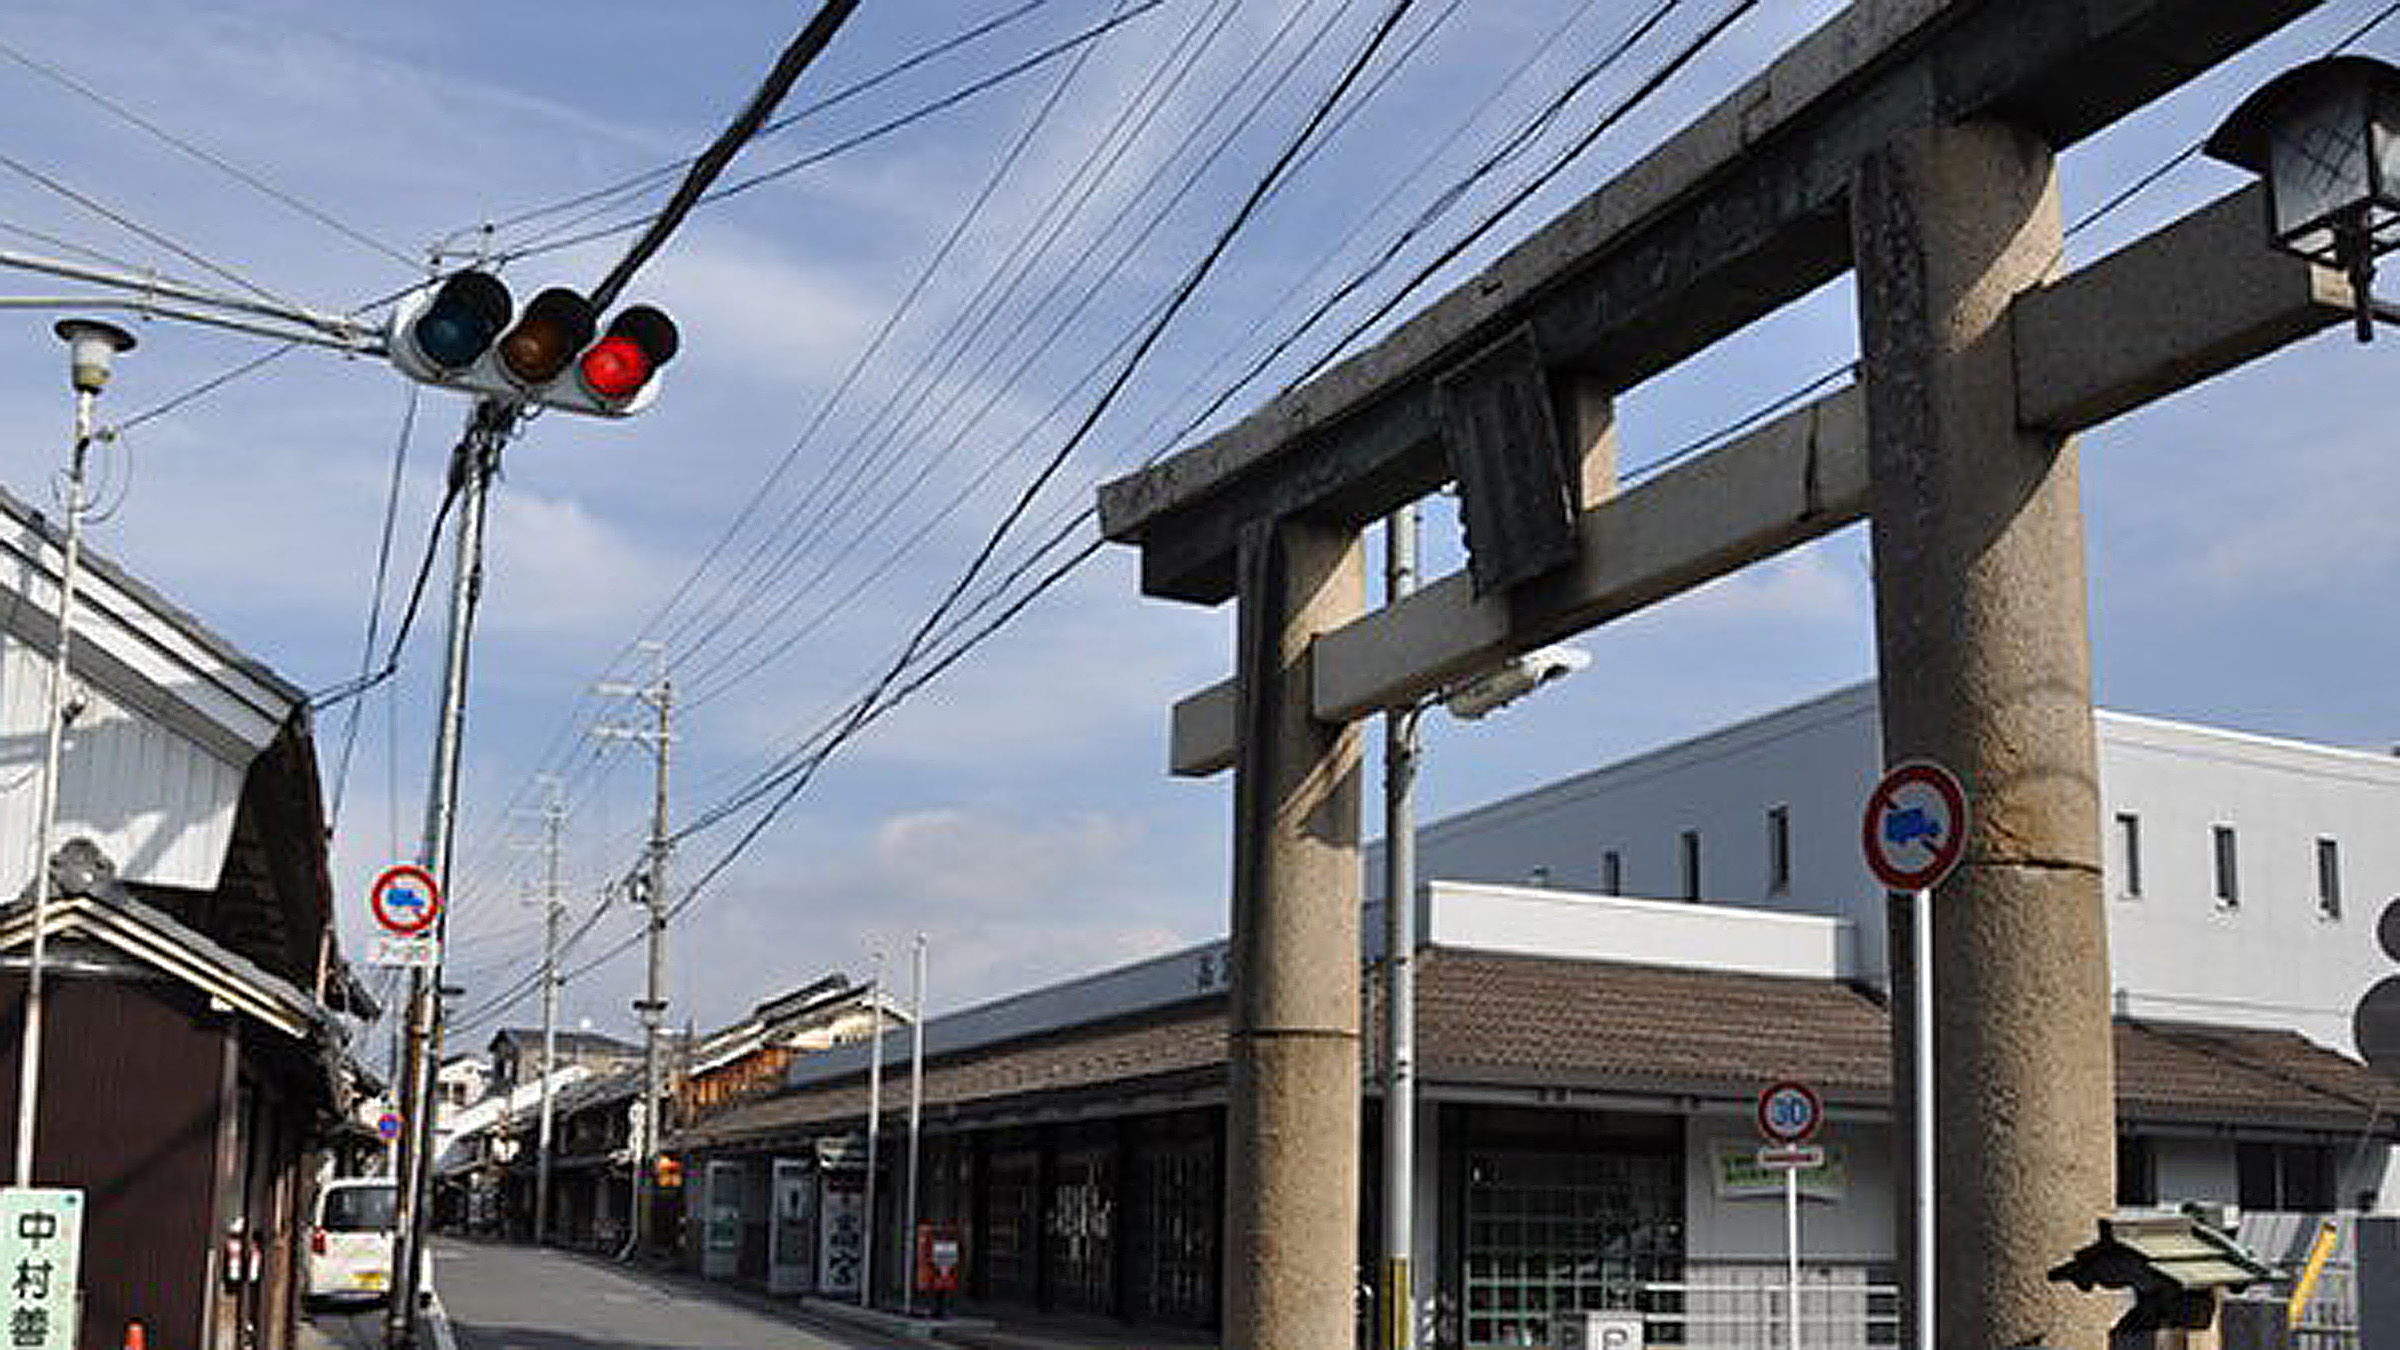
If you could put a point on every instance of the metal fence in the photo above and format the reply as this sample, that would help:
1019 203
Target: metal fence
1738 1308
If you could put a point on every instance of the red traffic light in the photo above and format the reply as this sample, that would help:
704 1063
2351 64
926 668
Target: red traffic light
639 341
557 324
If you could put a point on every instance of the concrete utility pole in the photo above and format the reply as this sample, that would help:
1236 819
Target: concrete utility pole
472 467
916 1125
660 696
554 817
1986 667
1291 1180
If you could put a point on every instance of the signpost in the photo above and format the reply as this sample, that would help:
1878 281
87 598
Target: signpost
1914 833
41 1248
1789 1113
406 903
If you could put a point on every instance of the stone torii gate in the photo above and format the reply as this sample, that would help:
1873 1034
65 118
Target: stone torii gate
1913 141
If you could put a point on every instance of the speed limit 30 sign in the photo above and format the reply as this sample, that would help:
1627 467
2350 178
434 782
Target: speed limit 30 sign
1789 1112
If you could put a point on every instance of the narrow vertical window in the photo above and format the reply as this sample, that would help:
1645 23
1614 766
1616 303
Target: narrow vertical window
1779 849
1612 872
2229 878
1691 864
2129 854
2329 878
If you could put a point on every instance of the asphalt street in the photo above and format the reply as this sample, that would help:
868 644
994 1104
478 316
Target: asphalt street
522 1298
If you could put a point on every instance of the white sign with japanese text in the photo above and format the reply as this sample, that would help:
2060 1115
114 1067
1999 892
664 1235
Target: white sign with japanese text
41 1245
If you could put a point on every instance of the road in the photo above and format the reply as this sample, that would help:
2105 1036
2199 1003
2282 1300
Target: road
520 1298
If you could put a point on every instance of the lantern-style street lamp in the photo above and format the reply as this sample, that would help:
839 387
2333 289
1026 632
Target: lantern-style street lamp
2326 137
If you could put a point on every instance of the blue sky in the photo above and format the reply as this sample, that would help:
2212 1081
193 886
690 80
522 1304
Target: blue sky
1017 810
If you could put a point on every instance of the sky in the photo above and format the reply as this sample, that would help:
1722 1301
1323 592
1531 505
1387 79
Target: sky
885 336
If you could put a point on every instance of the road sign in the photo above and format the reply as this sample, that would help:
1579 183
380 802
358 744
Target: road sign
419 953
1789 1112
406 901
1791 1157
2375 1022
387 1126
41 1248
1916 826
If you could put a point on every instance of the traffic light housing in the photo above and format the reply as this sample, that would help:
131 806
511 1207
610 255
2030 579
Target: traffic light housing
458 335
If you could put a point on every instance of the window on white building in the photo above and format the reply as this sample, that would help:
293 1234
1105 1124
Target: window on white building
2329 878
2129 855
1690 851
1779 849
2229 871
1612 872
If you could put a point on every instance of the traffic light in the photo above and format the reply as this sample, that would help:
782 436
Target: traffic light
458 335
670 1171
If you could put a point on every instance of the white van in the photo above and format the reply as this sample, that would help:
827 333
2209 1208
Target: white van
350 1243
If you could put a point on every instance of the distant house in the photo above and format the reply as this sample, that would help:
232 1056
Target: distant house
515 1054
196 1056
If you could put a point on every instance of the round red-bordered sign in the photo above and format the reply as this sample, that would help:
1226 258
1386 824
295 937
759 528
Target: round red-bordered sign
1789 1112
1916 826
406 900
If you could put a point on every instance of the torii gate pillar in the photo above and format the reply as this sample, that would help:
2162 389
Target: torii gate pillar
1292 1115
1986 666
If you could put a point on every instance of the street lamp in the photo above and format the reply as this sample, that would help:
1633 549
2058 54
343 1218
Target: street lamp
1469 701
91 348
2326 138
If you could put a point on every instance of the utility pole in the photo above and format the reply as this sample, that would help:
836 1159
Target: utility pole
554 817
866 1264
472 466
659 694
91 346
916 1120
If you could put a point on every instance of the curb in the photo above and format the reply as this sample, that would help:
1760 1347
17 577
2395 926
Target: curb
437 1324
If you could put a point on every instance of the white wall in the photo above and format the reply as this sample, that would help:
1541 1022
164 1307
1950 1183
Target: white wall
2273 959
2176 954
1853 1230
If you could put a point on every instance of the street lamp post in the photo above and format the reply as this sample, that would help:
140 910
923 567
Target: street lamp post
91 346
1469 701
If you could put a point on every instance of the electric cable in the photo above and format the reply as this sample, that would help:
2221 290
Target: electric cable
1192 279
139 230
643 182
356 712
804 49
832 498
60 77
875 133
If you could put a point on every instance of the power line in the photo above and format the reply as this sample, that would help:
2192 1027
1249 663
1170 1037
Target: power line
205 156
643 182
946 102
137 229
804 49
383 560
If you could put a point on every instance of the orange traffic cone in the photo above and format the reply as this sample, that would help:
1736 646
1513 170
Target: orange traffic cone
135 1337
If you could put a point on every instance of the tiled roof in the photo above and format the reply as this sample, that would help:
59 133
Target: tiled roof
1517 1020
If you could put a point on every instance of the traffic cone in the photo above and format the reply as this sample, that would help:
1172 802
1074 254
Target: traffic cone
135 1337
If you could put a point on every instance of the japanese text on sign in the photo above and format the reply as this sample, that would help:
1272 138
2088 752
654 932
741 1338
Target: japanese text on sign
41 1245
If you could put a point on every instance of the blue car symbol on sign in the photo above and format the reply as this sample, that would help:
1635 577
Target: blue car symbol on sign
404 899
1911 824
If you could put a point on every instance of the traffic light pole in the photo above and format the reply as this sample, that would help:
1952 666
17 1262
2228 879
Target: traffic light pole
472 467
